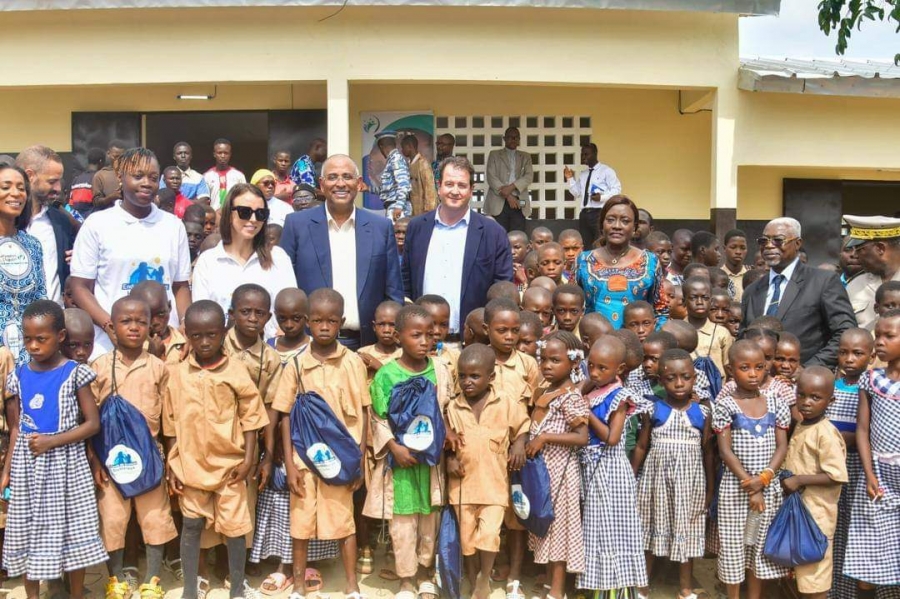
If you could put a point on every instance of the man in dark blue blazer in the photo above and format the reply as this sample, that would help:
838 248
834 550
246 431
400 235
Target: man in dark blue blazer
453 251
349 250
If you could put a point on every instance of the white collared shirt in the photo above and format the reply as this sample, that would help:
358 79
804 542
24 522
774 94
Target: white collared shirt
217 274
444 263
342 242
278 211
117 251
603 181
787 273
41 228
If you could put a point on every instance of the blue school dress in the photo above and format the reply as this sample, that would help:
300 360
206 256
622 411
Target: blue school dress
53 526
873 542
672 484
613 544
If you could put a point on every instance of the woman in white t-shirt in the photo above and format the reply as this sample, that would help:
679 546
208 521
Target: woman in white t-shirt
132 242
242 256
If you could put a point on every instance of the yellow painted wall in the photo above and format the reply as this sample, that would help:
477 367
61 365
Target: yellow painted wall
760 187
661 156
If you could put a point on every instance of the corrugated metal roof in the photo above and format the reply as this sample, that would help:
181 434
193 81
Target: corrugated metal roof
833 77
745 7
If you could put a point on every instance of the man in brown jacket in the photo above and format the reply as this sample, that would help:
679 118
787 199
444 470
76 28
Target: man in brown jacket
423 196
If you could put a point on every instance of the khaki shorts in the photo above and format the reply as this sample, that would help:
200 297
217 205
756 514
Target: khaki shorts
479 527
226 509
209 538
816 578
153 511
325 512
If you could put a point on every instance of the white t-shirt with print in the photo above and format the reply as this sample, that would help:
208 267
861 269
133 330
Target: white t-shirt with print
279 211
118 251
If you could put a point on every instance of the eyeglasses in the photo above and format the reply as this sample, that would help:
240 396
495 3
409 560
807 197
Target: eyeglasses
777 242
267 183
245 212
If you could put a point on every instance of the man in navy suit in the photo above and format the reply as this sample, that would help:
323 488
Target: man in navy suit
351 251
453 251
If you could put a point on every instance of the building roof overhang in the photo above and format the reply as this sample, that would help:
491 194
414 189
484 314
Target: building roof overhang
864 78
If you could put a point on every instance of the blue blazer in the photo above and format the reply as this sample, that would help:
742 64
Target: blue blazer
486 260
305 239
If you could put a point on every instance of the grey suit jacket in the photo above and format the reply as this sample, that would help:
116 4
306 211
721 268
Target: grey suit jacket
497 176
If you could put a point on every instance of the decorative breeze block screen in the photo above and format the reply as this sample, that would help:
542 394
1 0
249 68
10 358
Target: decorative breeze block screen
553 142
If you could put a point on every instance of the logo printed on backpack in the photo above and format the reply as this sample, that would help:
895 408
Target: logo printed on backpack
36 402
419 434
124 464
521 505
326 462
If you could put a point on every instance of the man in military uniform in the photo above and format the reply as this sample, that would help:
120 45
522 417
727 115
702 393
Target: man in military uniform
877 243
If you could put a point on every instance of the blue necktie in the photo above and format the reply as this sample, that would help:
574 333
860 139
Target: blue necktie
776 296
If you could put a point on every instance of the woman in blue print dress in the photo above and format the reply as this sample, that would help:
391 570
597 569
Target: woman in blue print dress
616 274
21 259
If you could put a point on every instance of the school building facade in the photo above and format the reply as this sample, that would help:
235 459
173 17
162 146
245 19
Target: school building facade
696 137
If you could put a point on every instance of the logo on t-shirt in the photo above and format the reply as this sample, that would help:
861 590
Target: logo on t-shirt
327 464
145 272
37 402
419 434
14 260
521 505
124 464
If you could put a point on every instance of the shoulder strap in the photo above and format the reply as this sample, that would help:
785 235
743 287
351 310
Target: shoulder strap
299 375
114 385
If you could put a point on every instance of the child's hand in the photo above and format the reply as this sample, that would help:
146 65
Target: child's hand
533 447
516 457
453 441
757 503
790 485
39 444
370 362
455 468
265 471
4 484
99 474
355 485
710 494
873 489
754 484
403 456
175 485
240 474
156 347
294 479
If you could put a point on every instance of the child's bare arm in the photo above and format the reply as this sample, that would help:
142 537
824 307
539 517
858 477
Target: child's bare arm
795 483
616 425
863 445
642 445
577 437
11 407
265 464
728 458
175 486
240 473
781 447
709 461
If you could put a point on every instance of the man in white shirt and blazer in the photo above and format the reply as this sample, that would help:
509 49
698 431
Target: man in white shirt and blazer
591 189
509 173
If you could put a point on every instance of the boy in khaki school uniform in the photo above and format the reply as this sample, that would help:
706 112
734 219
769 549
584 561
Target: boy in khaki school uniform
319 510
494 426
166 342
142 380
212 444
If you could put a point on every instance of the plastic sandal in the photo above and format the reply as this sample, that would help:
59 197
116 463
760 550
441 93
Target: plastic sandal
312 580
365 564
174 568
202 587
514 590
275 584
426 589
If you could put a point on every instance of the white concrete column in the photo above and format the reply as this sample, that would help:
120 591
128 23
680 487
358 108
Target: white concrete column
723 188
338 116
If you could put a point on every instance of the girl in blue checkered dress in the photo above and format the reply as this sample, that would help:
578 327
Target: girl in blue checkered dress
854 355
752 435
873 544
613 547
53 525
675 484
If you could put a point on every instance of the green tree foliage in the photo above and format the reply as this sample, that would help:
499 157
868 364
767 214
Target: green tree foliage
843 16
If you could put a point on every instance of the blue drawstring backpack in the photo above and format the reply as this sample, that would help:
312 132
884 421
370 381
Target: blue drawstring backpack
530 491
794 538
322 441
448 560
416 421
126 447
705 365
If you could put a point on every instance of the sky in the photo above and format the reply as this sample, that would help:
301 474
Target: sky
795 33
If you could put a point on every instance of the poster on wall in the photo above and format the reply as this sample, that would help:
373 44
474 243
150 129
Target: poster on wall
417 122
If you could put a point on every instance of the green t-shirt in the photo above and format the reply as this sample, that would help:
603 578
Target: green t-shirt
412 486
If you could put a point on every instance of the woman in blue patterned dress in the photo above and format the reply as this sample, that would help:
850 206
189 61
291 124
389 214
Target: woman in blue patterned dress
21 259
615 273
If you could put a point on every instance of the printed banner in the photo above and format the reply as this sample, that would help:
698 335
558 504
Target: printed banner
419 123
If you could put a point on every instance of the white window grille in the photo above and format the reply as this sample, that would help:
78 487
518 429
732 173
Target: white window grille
554 142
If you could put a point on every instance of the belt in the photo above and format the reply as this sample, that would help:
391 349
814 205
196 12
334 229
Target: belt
348 334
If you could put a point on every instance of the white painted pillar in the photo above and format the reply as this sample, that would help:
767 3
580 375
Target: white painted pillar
724 164
338 116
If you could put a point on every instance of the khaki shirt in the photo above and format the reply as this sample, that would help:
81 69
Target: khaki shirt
383 358
7 365
815 449
341 380
737 280
143 384
518 377
861 290
423 194
174 344
448 356
208 410
263 364
713 340
484 457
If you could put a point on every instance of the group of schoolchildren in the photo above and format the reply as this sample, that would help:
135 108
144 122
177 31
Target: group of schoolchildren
661 440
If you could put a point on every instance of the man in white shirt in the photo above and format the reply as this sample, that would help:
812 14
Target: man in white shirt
593 187
51 226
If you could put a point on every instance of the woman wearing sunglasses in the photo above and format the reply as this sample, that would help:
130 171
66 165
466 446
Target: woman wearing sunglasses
242 256
264 179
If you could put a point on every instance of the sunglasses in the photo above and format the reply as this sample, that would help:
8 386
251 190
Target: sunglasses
245 212
267 183
777 242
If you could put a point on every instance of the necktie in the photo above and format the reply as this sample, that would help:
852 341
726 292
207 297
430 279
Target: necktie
587 188
776 296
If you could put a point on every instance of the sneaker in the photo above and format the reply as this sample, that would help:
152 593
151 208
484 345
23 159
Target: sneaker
202 587
116 589
152 590
250 592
